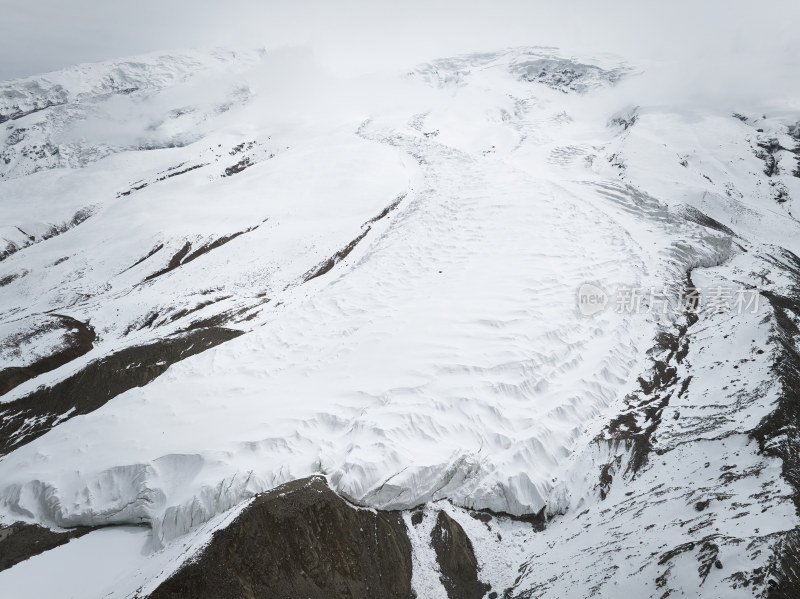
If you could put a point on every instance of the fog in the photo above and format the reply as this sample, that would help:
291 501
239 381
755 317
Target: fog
709 52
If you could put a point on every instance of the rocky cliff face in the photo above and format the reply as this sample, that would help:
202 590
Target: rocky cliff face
300 540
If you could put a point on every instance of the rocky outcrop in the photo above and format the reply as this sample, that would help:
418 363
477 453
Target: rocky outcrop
457 562
300 540
778 434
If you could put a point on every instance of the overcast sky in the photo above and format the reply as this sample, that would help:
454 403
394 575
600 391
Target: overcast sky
722 41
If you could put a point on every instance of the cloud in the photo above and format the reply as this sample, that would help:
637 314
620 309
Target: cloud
711 49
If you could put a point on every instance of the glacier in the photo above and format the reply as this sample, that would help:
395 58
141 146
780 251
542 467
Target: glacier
244 279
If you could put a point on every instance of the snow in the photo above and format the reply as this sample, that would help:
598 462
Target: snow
497 373
425 577
443 358
84 568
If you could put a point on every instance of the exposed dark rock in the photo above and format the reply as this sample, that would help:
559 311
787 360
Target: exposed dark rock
168 174
8 279
183 255
21 541
156 249
606 476
636 426
78 340
220 241
694 215
538 520
457 562
708 558
186 311
482 516
794 131
54 230
300 540
173 263
31 416
675 551
18 114
328 264
181 172
242 147
132 189
778 434
385 212
785 582
238 167
564 75
767 152
625 121
16 136
77 218
770 165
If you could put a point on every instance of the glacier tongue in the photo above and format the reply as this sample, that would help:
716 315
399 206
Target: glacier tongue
405 274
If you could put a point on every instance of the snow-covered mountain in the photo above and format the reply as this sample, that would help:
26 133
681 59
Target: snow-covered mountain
481 329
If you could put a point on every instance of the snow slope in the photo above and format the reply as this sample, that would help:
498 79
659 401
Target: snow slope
403 255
